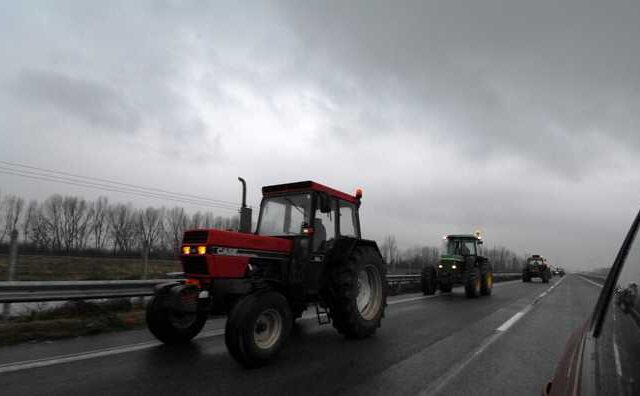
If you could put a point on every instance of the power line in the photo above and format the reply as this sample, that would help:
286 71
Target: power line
58 179
102 181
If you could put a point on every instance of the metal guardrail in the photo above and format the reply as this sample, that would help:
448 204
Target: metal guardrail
11 292
27 291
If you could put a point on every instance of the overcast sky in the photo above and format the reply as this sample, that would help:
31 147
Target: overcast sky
521 119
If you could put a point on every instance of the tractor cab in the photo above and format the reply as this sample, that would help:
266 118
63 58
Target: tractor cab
309 211
460 246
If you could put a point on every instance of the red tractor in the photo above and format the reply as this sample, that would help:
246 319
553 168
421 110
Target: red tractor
307 250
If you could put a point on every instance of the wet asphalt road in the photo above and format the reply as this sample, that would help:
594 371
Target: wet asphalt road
445 344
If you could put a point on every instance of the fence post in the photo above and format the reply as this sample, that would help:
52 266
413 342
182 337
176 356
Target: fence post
13 258
145 259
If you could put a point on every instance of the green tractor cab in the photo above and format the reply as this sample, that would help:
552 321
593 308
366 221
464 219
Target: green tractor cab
461 263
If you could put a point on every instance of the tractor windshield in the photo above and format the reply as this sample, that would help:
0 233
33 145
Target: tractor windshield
284 215
459 247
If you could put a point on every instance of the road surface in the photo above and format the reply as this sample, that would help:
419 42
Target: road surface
505 344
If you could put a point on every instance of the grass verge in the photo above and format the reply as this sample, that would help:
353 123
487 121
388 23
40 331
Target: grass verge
72 319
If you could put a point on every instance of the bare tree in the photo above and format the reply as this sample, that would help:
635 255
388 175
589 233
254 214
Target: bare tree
121 227
99 226
175 222
148 227
13 212
389 249
51 217
197 220
75 221
28 219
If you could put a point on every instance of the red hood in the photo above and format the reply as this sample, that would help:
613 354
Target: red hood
241 240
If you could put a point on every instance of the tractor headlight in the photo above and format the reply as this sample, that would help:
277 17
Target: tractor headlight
440 266
202 249
186 249
454 266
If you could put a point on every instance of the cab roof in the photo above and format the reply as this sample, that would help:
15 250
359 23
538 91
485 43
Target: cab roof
306 186
462 236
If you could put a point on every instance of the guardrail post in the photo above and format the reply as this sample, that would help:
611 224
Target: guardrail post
13 259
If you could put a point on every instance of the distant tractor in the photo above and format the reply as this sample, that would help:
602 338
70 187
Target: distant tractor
536 267
558 271
307 250
461 263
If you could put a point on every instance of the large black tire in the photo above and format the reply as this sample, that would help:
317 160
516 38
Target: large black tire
486 284
257 328
445 287
472 283
428 280
171 326
545 278
358 291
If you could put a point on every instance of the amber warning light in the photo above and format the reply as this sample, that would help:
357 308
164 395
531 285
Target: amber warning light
358 193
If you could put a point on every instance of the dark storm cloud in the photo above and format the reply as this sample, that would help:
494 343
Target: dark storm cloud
548 81
95 103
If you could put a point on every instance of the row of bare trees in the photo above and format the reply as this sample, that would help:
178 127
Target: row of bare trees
412 260
71 225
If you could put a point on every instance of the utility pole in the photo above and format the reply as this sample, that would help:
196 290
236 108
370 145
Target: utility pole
13 259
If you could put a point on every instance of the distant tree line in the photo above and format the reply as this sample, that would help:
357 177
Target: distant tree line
412 260
72 225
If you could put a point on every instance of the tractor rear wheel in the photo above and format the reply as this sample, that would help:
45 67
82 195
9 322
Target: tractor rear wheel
428 280
472 283
358 293
172 326
486 285
257 328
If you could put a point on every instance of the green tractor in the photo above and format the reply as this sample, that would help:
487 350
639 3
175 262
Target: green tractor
461 263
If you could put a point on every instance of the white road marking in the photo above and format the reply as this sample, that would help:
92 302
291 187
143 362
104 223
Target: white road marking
406 300
30 364
505 326
437 386
590 281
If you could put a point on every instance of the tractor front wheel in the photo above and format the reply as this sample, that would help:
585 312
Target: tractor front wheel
358 293
173 326
472 283
428 280
257 328
486 285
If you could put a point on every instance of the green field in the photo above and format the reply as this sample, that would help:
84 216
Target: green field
59 268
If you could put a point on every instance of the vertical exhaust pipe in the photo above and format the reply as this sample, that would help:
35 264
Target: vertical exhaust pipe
245 211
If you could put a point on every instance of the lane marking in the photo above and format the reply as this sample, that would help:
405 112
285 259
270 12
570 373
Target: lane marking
118 350
590 281
45 362
444 380
505 326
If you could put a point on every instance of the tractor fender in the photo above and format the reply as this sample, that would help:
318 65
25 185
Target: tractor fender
342 248
177 296
162 289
